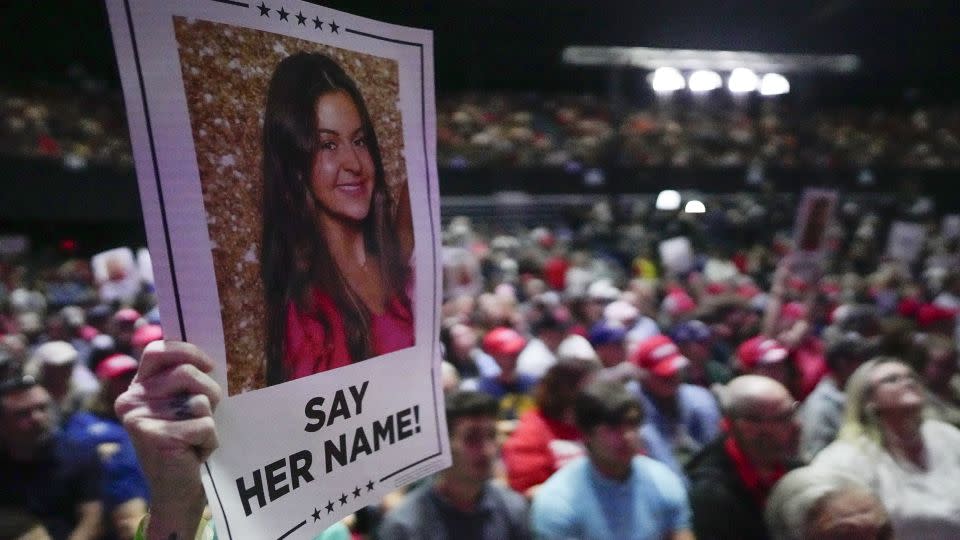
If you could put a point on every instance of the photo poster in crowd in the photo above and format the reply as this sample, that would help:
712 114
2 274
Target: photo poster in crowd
286 157
116 274
813 219
677 255
906 241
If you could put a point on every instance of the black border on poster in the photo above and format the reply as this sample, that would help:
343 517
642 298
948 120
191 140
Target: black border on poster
173 273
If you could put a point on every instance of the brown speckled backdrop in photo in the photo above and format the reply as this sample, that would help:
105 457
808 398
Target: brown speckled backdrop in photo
226 71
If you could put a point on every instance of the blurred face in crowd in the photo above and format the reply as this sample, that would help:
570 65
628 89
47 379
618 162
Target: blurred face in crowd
765 426
56 378
697 352
611 354
26 421
850 515
663 387
507 363
462 340
473 447
778 371
551 338
613 446
941 367
894 388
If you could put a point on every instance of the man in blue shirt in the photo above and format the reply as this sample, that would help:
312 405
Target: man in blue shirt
612 492
684 416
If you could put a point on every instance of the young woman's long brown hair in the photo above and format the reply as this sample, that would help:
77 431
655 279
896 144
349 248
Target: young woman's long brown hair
295 259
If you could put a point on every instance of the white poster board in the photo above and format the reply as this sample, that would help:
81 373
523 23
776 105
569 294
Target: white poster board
264 134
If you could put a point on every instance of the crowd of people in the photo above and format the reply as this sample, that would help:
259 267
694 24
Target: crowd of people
599 386
84 124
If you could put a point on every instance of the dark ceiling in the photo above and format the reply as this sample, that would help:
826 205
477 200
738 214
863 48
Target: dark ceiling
513 44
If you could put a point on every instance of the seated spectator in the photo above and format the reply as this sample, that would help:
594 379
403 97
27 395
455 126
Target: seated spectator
54 364
511 389
607 339
547 437
694 340
731 478
815 504
460 348
44 473
549 332
462 499
937 366
123 488
912 465
822 412
683 415
611 492
764 356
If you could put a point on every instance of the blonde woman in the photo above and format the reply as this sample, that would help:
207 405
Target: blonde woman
912 465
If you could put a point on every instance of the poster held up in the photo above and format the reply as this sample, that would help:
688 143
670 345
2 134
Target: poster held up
286 162
813 220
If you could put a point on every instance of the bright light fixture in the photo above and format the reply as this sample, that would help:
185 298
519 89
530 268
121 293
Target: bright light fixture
668 199
704 80
694 207
774 84
742 80
666 80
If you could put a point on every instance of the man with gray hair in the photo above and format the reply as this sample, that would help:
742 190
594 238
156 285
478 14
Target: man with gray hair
731 477
812 503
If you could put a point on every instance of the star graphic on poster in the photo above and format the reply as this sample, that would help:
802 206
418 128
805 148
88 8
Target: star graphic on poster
329 507
264 10
301 20
333 27
315 514
343 499
317 23
370 485
283 14
356 492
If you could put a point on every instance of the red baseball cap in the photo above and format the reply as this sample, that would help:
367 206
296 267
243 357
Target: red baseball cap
760 350
128 315
929 314
115 365
146 334
660 356
503 340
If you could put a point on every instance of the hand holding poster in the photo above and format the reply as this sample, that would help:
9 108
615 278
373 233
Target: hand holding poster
285 155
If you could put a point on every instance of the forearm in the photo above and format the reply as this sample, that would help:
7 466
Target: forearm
88 523
175 518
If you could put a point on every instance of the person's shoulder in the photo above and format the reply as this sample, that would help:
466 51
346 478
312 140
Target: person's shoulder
940 431
408 515
567 479
843 454
514 502
697 395
659 474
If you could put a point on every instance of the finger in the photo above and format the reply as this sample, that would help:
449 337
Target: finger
182 379
161 355
183 407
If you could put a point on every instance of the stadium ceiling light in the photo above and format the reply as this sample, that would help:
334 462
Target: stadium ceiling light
774 84
704 80
666 79
741 81
668 199
694 207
